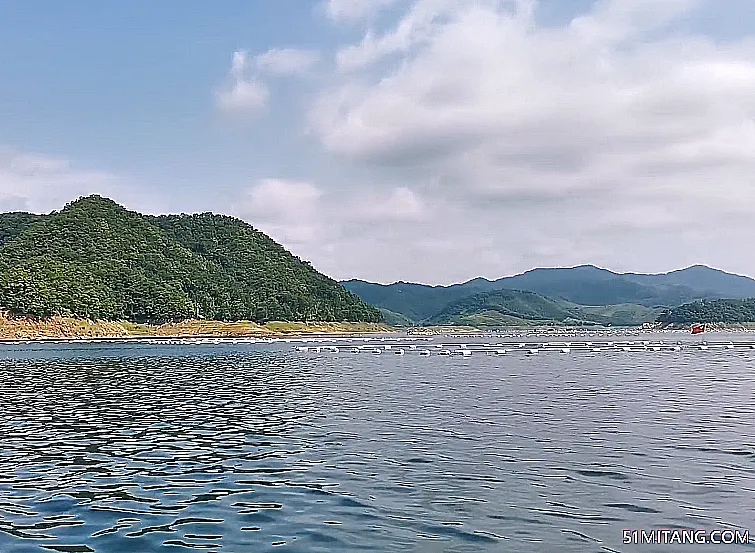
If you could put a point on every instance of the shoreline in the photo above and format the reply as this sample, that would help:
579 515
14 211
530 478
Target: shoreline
56 329
14 329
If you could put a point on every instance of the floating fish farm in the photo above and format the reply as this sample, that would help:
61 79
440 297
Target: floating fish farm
518 348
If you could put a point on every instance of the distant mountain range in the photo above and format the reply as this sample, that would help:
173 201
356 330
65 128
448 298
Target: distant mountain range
584 294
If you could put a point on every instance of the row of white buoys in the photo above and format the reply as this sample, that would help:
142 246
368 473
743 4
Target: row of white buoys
532 348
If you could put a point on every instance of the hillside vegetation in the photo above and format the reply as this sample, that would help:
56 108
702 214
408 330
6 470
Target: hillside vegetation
502 307
416 302
513 307
94 259
728 311
13 224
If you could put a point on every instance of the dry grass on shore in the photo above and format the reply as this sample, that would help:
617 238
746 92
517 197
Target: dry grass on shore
28 328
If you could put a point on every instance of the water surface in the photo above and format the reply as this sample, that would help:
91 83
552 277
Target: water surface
236 448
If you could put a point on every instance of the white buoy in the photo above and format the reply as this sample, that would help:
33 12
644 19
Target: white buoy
399 351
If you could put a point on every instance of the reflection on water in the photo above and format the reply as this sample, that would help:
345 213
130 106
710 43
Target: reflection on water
235 449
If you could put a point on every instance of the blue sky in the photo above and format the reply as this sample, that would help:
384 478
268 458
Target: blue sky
126 86
427 140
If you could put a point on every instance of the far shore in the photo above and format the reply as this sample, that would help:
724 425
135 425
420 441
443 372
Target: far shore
14 329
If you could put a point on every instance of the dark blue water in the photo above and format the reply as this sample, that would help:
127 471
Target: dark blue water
249 448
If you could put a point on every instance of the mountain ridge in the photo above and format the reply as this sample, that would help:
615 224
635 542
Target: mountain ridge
585 285
583 265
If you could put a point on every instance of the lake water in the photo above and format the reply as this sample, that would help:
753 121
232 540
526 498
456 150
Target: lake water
254 448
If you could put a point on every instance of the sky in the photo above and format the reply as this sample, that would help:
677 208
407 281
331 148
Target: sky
417 140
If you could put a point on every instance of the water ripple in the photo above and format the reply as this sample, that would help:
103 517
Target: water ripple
232 447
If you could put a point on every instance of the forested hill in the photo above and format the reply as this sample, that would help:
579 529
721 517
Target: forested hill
503 307
729 311
96 259
13 224
522 308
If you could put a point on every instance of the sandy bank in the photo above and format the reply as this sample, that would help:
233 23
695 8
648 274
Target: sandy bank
27 328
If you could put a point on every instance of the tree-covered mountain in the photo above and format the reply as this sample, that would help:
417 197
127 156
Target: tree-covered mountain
628 298
416 302
96 259
503 307
589 285
395 319
729 311
14 223
712 282
514 307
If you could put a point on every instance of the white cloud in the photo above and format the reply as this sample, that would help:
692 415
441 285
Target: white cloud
354 10
610 139
283 199
613 21
243 91
40 183
288 61
243 96
288 211
326 226
400 205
